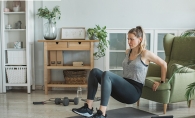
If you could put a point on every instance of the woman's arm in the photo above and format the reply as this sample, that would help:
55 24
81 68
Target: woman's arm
151 57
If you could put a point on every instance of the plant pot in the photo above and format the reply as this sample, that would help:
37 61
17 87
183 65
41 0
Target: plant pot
50 30
93 37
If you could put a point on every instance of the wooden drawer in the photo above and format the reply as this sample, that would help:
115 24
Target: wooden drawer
79 45
56 45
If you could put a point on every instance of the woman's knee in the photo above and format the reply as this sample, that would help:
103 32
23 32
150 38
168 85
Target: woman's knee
95 71
106 75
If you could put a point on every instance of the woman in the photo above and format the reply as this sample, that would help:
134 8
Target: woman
126 89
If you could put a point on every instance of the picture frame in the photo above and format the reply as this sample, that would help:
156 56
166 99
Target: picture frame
70 33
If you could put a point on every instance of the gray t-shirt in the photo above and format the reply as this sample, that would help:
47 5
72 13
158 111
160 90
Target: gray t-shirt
134 69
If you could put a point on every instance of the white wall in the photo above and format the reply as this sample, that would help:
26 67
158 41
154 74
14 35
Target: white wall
113 14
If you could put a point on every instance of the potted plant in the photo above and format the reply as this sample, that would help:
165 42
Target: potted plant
50 32
187 33
99 34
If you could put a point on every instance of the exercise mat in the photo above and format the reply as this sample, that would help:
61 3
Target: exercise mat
127 112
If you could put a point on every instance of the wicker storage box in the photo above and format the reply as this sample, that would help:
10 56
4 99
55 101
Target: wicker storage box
75 76
16 74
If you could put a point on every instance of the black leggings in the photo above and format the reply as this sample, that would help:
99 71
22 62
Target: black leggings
124 90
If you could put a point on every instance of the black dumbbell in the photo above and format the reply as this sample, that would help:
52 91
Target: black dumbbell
75 100
66 101
59 100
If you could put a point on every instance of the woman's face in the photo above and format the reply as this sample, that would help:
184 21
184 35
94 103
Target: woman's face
133 41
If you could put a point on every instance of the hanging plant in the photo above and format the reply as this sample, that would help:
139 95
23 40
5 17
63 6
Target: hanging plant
99 34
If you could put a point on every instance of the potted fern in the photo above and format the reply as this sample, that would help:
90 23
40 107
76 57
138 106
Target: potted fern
98 33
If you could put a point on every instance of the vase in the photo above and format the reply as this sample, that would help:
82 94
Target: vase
50 32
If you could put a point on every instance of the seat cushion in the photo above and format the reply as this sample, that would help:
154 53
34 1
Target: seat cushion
150 81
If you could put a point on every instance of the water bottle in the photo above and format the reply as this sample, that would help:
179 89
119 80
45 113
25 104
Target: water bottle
79 92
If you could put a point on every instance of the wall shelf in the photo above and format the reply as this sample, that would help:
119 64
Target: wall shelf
62 84
14 13
14 30
15 49
9 84
68 67
15 64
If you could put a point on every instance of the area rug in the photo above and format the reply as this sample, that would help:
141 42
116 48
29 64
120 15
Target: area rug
127 112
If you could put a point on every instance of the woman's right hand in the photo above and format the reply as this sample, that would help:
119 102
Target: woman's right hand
155 86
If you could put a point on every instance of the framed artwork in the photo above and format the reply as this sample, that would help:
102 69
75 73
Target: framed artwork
73 33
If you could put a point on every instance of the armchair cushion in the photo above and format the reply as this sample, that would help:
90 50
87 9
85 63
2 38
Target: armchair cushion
154 70
150 81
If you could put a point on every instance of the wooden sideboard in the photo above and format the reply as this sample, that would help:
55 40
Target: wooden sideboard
63 45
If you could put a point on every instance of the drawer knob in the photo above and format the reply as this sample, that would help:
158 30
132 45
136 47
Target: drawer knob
56 42
79 42
58 62
52 62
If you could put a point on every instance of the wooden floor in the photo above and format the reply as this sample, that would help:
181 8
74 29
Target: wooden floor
19 104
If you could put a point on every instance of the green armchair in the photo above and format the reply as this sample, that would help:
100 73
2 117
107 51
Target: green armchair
179 52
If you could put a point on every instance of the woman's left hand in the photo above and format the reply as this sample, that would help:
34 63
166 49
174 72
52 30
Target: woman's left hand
155 86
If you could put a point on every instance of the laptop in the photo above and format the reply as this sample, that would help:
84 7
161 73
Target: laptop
163 116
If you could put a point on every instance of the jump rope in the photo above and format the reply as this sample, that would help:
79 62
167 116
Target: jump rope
44 102
53 99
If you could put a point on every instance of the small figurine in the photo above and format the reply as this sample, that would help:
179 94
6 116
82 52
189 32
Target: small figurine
6 10
18 25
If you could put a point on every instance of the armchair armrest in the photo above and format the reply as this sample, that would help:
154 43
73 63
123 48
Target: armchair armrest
177 68
154 70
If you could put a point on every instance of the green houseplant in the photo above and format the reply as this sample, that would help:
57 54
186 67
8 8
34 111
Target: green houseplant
50 31
99 34
187 33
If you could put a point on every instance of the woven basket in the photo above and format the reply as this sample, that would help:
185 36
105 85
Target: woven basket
16 74
75 76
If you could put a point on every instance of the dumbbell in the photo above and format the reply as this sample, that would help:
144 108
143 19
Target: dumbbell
59 100
66 101
75 100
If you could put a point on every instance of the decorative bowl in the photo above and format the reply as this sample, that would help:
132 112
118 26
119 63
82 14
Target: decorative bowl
16 9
